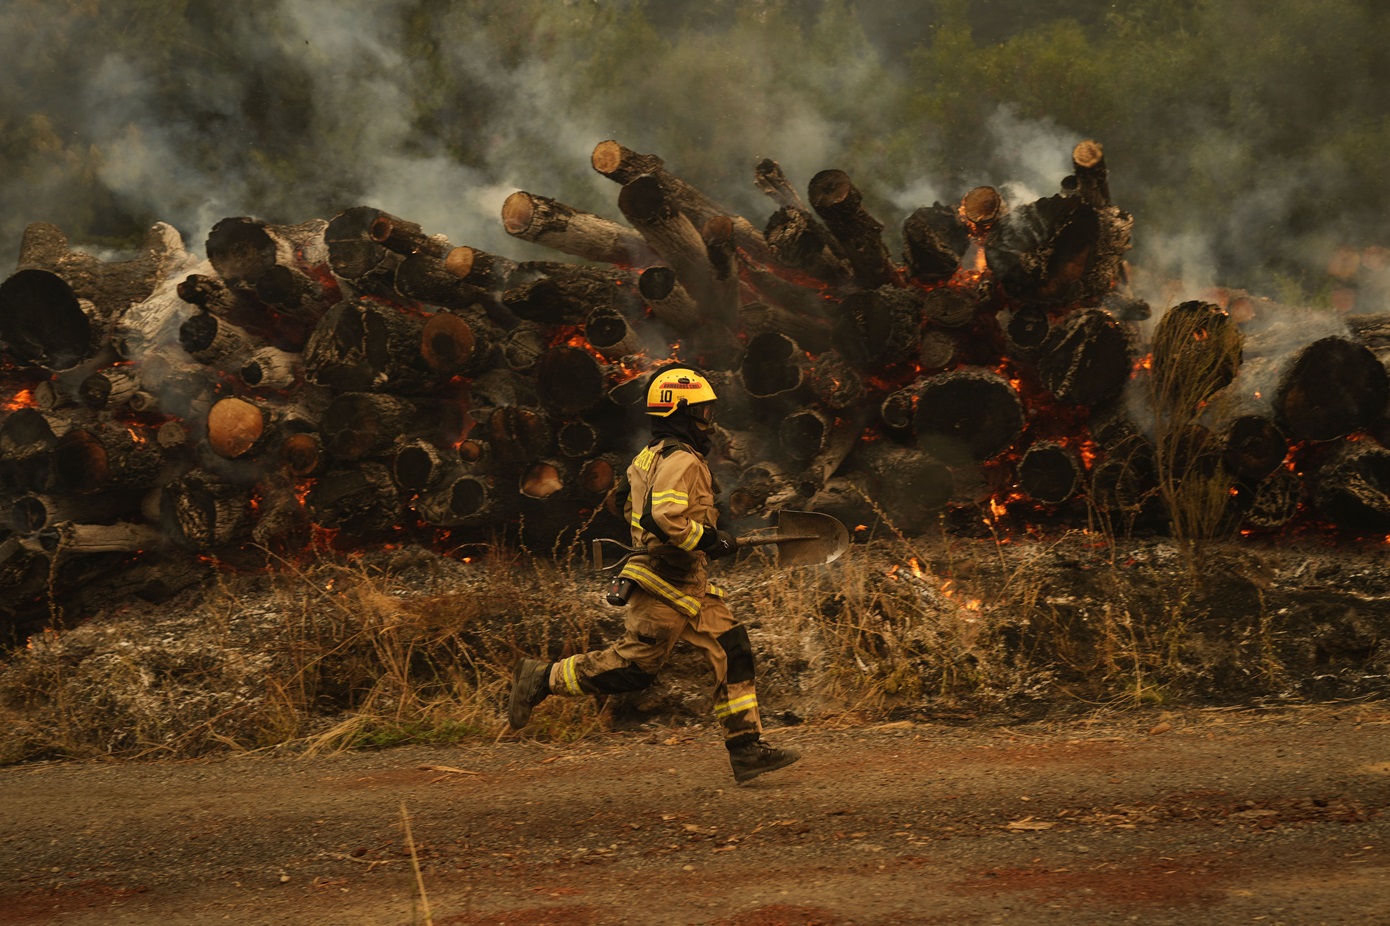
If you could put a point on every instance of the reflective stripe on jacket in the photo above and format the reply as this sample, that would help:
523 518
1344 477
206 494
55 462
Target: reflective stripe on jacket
669 509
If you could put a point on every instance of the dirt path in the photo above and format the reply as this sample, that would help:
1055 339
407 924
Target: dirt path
1212 817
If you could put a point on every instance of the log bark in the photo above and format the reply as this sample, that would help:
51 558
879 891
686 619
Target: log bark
934 241
200 512
215 342
356 424
459 343
1332 387
33 512
1059 251
545 221
672 235
359 502
106 456
813 334
468 500
569 299
111 286
622 165
488 272
271 368
967 415
769 177
109 389
1272 502
407 238
879 327
420 465
360 345
273 262
1352 486
840 205
426 279
1087 359
797 240
1050 472
668 299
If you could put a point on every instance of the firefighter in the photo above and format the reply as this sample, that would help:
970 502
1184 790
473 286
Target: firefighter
670 509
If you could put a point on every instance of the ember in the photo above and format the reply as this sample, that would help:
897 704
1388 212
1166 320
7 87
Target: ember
345 380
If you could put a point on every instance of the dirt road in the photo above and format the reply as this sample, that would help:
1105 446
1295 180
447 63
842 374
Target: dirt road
1210 817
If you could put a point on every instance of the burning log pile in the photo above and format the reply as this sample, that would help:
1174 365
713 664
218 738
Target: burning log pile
360 378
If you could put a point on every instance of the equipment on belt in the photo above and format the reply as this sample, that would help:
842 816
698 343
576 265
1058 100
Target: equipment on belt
801 538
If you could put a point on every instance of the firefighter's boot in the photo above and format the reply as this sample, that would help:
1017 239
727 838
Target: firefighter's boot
530 686
758 757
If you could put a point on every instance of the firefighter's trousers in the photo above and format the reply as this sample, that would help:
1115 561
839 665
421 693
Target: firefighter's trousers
651 630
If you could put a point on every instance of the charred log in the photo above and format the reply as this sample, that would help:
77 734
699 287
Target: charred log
43 322
1352 487
934 241
459 344
213 341
466 501
360 345
950 308
109 389
879 327
797 240
814 334
1333 387
774 367
679 243
668 299
570 380
489 272
360 501
967 415
1086 360
839 203
937 350
105 456
1271 502
271 368
835 382
769 177
200 512
406 238
622 165
356 424
547 222
1050 473
909 486
1254 447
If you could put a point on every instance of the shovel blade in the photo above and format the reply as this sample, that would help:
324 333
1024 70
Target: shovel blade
813 538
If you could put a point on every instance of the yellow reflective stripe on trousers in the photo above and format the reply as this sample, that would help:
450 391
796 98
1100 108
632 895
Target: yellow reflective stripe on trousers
661 588
729 708
697 530
567 673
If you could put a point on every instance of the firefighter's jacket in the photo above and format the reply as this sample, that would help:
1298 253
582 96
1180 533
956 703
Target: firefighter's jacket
670 509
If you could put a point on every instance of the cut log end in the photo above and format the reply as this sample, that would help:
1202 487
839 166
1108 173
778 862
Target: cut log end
831 188
1088 154
517 211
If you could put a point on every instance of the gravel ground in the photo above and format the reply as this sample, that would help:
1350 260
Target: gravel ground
1215 816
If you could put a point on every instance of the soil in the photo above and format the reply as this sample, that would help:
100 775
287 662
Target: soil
1212 816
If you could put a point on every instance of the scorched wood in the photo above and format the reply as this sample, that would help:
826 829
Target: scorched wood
545 221
272 261
360 345
668 299
672 235
769 177
201 512
489 272
934 241
1352 486
797 240
1087 359
33 512
112 286
1050 472
356 424
877 328
840 205
215 342
462 343
1254 447
359 501
967 415
1332 387
43 322
774 367
835 382
622 165
469 500
105 456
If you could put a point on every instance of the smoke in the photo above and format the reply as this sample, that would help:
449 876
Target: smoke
436 111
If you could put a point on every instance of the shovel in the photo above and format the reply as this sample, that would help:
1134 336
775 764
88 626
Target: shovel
802 538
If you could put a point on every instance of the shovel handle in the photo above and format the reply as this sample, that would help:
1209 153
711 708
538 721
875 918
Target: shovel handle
759 541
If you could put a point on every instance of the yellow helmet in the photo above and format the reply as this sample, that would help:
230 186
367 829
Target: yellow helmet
672 387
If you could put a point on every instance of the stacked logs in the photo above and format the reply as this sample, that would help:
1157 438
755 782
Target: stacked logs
359 377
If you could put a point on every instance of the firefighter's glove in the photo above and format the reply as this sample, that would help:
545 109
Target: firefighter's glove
724 544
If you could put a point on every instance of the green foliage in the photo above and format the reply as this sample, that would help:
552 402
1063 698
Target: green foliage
1259 126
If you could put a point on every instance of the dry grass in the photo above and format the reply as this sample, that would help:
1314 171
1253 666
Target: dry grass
416 647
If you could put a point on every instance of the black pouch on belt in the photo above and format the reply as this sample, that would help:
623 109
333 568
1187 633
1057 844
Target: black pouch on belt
619 591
